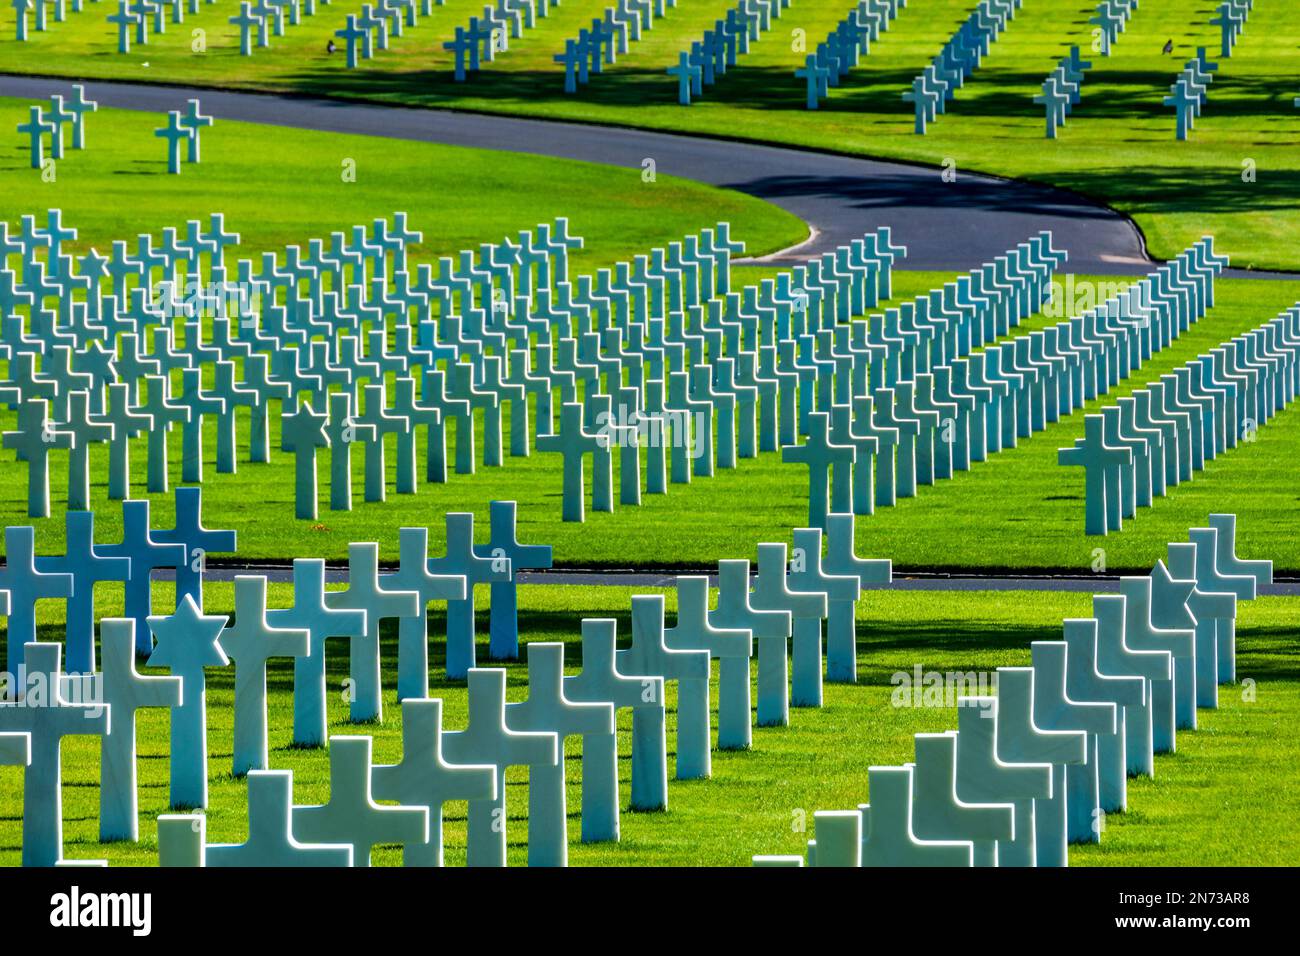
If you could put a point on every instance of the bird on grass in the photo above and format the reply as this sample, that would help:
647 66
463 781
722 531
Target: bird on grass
1169 47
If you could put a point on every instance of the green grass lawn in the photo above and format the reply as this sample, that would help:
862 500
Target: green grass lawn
1118 147
1217 801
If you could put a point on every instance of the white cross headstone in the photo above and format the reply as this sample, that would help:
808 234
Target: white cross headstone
125 691
983 777
351 816
364 593
888 837
1116 658
649 655
841 613
601 680
503 541
271 841
772 592
25 584
694 631
1055 710
487 740
770 630
1212 578
808 576
424 778
939 814
548 710
1210 610
461 559
1084 683
321 622
250 642
413 575
87 568
1021 740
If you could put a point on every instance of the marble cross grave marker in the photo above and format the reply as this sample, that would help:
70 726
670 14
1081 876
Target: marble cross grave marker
321 622
46 716
424 778
125 691
548 709
250 641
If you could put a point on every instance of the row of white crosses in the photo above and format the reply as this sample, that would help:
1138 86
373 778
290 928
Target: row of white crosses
719 48
99 697
184 129
937 406
84 700
484 37
258 22
784 600
48 122
960 57
1189 92
844 47
40 11
1111 19
1160 435
599 45
188 641
364 32
317 325
1230 17
766 363
439 765
137 17
82 334
28 577
1061 89
1036 767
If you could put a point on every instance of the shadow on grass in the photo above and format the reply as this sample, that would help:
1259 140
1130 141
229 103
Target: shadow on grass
1153 189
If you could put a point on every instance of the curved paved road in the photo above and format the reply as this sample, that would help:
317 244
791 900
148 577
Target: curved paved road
991 580
945 226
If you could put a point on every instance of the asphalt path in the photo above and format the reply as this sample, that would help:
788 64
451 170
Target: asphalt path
946 226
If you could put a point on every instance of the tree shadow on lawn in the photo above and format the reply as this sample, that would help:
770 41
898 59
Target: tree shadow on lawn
913 191
1268 653
433 88
961 645
992 92
1153 189
1129 94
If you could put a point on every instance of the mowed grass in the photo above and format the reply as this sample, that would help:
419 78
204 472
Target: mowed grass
1221 799
279 186
1118 147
